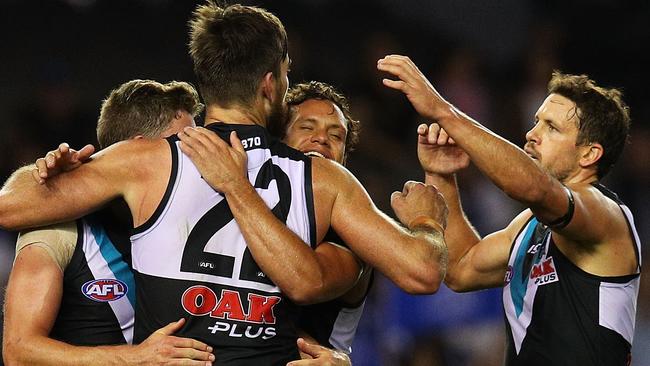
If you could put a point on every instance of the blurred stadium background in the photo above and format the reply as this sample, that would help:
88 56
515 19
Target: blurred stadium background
492 59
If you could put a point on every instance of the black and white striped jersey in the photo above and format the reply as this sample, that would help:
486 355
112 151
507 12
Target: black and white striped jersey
190 259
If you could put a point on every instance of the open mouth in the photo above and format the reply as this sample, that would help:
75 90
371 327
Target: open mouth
315 153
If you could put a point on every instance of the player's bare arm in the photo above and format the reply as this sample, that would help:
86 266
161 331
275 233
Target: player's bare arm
29 320
484 263
473 263
413 257
116 171
505 164
596 221
304 275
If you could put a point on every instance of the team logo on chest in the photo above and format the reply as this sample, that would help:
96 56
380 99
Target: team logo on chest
544 272
104 290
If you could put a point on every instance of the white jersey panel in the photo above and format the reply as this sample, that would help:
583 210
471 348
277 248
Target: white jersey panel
345 327
159 250
617 307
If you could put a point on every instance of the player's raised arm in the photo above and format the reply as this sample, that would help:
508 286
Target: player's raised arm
512 169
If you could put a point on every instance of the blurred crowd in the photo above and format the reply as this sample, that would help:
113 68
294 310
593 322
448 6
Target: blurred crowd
491 59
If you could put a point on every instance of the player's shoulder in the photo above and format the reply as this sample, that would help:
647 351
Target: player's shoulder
56 231
135 155
518 223
58 240
330 168
138 145
597 198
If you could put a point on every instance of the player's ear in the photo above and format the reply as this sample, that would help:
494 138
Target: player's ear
590 154
268 86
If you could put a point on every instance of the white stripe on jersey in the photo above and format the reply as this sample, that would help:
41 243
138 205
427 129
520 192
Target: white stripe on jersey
122 307
519 325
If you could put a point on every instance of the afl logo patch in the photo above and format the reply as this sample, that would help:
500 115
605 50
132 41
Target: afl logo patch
104 290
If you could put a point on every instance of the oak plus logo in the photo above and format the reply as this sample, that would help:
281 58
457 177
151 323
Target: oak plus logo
253 322
544 272
104 290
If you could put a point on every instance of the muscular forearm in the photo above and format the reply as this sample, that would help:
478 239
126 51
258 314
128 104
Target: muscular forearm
460 236
432 262
24 203
417 263
414 258
281 254
505 164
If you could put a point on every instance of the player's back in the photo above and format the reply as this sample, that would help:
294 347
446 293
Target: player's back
190 258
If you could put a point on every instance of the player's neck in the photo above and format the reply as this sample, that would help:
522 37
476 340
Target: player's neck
232 115
582 176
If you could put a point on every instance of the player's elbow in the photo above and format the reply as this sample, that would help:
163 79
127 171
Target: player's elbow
9 218
455 282
10 222
13 351
307 293
423 282
6 223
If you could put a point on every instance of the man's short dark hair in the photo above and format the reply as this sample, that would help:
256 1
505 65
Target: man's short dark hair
603 116
232 48
144 107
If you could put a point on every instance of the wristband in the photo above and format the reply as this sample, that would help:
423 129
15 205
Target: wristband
426 221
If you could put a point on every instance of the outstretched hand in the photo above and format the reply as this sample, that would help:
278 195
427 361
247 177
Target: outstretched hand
417 88
221 165
162 348
321 356
438 153
62 159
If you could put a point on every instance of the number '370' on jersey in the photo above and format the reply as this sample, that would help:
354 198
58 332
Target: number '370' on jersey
190 259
